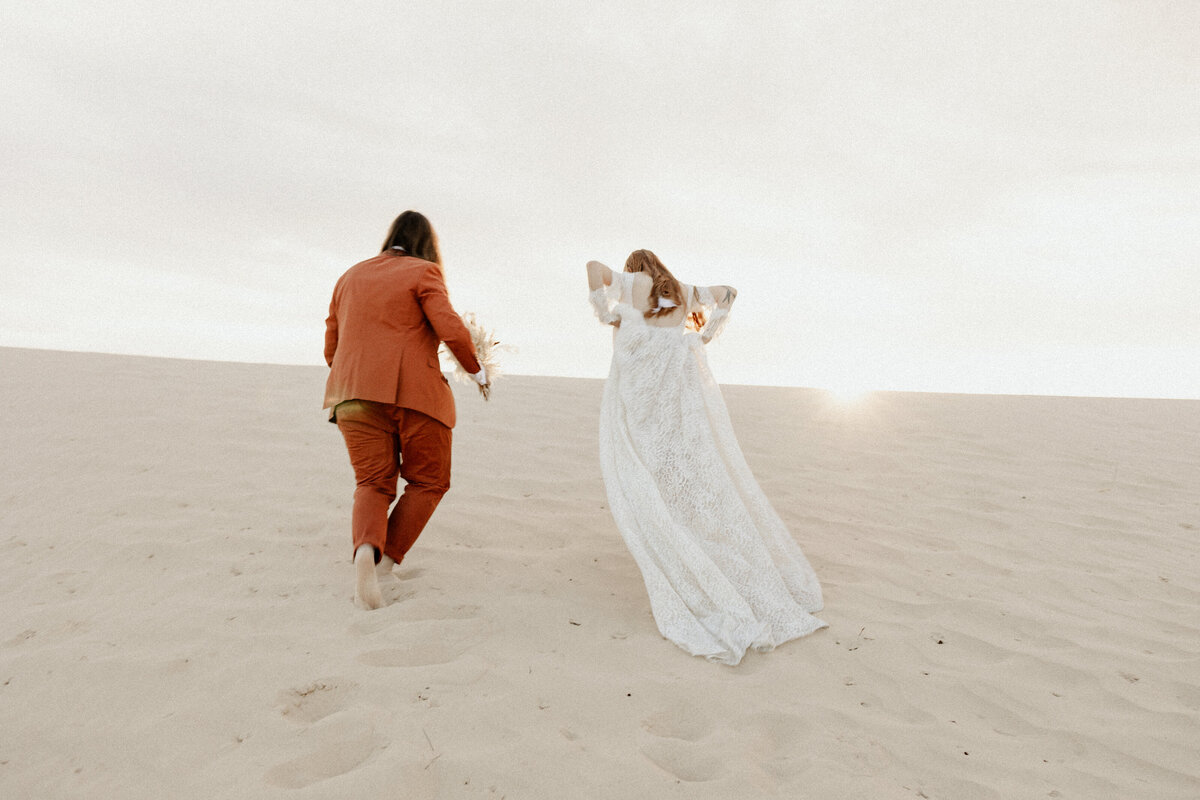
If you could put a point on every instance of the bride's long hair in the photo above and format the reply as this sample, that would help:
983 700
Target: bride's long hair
663 284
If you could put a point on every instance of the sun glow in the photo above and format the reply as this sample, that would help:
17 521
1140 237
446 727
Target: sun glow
847 394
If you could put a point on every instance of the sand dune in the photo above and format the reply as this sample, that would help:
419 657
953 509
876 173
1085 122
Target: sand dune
1012 586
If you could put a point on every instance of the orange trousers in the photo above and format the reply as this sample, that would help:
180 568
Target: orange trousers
386 442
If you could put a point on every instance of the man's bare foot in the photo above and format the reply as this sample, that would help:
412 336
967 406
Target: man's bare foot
366 583
384 567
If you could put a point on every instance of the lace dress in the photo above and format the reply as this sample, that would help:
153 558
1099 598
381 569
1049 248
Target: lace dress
721 569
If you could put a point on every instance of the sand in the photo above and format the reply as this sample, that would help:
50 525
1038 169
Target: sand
1012 586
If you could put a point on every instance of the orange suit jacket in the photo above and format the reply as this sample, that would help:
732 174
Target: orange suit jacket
387 316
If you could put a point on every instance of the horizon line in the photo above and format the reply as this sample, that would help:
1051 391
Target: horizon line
864 392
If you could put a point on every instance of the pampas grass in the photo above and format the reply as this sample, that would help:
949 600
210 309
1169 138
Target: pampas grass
487 352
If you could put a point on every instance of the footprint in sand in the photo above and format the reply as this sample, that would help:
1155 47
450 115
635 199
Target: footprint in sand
777 743
315 701
395 591
429 634
428 654
21 638
439 613
675 744
344 742
366 624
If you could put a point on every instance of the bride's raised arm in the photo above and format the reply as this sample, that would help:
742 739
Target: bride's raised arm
598 275
602 294
719 299
723 295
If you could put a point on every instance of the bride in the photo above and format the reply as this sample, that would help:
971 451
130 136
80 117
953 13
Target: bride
721 569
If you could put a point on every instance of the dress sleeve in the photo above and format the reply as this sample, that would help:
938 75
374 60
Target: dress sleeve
605 299
702 298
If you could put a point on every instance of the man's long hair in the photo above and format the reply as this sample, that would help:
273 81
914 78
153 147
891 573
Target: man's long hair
663 284
413 232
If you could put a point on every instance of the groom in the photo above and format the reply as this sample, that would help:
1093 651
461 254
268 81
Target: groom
387 394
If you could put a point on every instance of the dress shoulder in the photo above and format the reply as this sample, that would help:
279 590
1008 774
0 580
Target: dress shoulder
626 281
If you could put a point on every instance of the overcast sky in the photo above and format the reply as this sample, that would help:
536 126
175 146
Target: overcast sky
943 196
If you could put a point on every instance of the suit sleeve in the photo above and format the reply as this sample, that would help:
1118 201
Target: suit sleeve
449 327
331 329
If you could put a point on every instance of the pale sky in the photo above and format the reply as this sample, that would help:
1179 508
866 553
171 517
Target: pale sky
936 196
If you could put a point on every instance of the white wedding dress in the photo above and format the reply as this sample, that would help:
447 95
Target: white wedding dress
721 569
